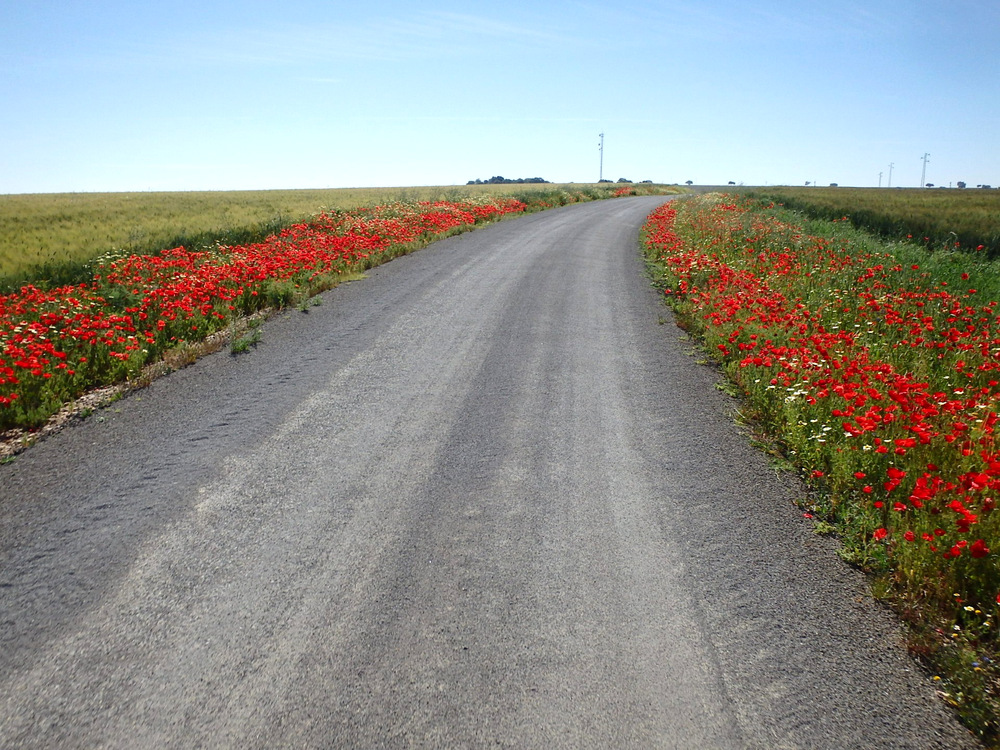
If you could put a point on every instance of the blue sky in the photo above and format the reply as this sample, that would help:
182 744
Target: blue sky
216 95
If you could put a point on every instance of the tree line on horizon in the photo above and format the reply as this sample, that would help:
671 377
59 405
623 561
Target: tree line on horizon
504 181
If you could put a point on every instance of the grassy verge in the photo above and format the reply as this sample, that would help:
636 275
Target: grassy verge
875 369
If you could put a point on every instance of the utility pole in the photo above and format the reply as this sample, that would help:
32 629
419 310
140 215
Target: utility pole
891 165
880 179
601 149
923 172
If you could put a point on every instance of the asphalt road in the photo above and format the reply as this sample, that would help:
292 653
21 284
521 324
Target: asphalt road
484 497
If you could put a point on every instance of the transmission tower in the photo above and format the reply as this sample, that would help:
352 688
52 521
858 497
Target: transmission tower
600 147
923 172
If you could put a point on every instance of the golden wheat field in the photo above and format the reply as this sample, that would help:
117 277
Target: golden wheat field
43 233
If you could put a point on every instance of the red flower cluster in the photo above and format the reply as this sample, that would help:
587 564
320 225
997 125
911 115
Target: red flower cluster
868 368
56 344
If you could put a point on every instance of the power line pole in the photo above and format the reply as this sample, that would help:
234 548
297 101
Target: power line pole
891 165
923 172
601 149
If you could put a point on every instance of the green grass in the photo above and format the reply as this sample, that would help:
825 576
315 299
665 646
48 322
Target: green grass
938 218
50 238
248 339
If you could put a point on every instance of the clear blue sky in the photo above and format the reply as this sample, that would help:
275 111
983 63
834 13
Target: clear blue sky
211 94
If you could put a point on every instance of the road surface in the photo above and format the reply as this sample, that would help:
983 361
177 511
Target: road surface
482 498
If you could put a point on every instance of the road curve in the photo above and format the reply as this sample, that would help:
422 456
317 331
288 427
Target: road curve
483 497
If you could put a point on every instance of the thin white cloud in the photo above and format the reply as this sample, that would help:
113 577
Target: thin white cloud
738 21
491 27
315 79
421 36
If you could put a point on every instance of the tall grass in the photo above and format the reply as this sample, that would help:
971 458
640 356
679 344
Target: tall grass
938 218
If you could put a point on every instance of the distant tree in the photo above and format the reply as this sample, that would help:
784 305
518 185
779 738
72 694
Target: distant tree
689 182
833 184
986 187
622 179
929 184
733 183
599 181
498 180
647 182
960 184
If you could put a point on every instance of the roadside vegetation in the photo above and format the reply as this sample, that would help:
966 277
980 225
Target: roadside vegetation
872 367
50 239
131 311
933 217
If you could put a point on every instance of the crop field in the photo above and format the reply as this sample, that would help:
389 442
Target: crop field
50 237
965 218
873 369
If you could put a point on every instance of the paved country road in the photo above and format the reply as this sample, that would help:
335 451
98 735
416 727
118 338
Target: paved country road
482 498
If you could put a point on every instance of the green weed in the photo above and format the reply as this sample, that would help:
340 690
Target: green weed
247 339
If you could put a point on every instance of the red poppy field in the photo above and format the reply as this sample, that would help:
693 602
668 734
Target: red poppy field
876 371
58 343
